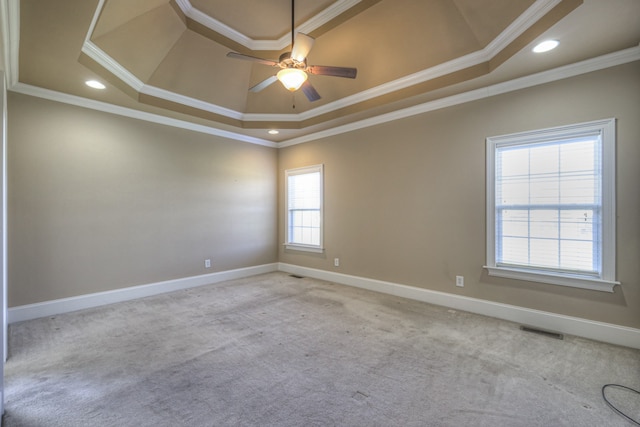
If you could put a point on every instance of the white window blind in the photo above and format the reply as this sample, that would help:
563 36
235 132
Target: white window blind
551 205
304 208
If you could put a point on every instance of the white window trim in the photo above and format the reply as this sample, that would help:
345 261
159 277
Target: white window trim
607 129
297 246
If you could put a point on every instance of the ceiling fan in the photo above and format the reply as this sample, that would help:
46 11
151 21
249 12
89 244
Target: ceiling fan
293 66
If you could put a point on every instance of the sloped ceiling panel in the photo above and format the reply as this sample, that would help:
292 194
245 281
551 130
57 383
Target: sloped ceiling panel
193 68
141 43
264 20
118 12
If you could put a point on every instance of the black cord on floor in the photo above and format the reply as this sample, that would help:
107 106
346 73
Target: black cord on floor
616 409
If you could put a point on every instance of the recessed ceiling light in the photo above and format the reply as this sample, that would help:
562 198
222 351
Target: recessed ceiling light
95 84
546 46
274 132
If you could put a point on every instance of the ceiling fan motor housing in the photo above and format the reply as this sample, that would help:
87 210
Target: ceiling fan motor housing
286 61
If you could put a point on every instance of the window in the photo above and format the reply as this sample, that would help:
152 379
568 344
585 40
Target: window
304 208
551 205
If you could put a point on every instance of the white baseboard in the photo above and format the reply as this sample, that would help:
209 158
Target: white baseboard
599 331
65 305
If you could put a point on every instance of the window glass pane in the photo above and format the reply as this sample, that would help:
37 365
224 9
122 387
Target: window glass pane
578 156
306 219
544 223
304 191
513 162
576 190
544 189
576 255
315 219
577 224
543 159
515 224
544 253
515 251
306 236
580 168
513 192
315 236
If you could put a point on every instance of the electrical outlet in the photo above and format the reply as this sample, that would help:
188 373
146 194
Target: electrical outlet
207 263
336 262
460 281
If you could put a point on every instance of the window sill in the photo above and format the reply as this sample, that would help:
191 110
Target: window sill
574 281
303 248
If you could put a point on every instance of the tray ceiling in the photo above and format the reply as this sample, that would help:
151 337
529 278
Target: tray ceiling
169 56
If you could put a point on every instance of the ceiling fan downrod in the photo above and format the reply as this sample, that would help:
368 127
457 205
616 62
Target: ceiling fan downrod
293 8
293 66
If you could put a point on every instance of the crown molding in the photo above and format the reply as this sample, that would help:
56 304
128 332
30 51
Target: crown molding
583 67
10 19
101 57
331 12
94 21
532 15
135 114
190 102
114 67
383 89
606 61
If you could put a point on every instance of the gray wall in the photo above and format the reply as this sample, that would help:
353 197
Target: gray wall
405 200
100 202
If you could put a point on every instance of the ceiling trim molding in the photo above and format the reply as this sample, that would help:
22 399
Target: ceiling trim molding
101 57
10 18
532 15
94 21
383 89
331 12
190 102
594 64
94 52
135 114
583 67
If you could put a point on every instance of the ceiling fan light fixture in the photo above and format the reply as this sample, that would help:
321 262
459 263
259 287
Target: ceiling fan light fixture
292 78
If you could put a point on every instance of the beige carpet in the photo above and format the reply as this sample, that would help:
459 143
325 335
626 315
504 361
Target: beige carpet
274 350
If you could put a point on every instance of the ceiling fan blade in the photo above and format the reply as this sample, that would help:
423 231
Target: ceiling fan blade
309 91
324 70
252 58
301 47
263 84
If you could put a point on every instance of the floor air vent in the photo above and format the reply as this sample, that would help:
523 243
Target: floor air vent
296 276
541 332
